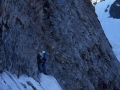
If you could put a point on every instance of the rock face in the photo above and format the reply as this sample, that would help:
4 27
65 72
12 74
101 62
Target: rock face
115 9
80 56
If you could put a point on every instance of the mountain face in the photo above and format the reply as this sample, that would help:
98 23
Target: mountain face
80 56
115 9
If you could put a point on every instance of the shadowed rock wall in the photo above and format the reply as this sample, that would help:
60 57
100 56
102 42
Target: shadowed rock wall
80 56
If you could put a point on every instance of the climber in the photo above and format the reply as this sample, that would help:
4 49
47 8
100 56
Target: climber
41 60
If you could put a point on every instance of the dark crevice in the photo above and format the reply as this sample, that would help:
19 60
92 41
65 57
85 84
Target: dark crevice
5 25
19 21
30 84
0 32
46 7
47 10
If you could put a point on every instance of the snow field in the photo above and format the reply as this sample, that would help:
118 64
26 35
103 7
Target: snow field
11 82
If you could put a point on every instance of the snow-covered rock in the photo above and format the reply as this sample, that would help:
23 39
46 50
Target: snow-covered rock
11 82
96 1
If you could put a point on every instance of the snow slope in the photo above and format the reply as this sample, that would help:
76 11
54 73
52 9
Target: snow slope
110 25
11 82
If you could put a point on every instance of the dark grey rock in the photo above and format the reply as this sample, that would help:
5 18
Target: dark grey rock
115 9
80 56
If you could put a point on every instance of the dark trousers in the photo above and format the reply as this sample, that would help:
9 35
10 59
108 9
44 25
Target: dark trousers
42 68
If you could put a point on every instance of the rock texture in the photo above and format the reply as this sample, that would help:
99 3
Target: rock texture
80 56
115 9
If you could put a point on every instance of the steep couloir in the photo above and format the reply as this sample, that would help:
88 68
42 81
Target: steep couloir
80 56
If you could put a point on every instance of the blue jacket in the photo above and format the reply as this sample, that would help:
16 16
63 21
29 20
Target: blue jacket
44 58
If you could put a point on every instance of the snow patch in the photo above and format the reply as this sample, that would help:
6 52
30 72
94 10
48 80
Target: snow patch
11 82
50 82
